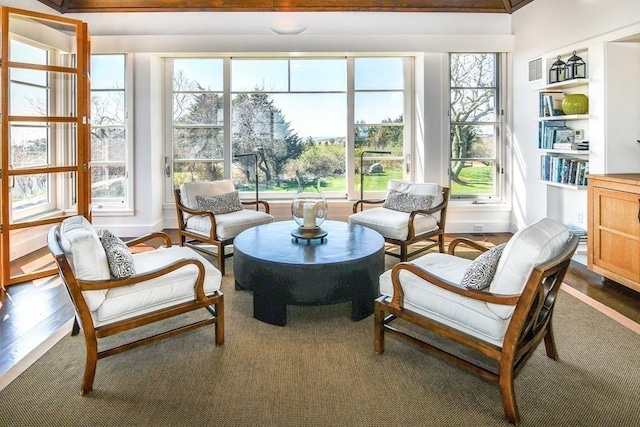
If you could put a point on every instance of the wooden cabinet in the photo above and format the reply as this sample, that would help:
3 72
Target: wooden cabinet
614 227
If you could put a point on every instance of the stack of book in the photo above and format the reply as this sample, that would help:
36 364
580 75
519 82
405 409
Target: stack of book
547 133
550 103
571 145
563 169
579 231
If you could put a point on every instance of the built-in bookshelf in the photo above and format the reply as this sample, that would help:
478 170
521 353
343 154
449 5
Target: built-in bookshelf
562 138
563 142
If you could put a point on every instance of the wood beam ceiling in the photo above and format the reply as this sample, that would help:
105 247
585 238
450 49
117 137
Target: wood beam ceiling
464 6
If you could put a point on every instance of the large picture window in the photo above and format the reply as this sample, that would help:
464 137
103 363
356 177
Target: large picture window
475 125
298 121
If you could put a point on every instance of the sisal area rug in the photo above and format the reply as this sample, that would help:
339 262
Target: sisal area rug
321 370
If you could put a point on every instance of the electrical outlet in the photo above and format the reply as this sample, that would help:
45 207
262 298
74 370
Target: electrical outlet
478 227
580 217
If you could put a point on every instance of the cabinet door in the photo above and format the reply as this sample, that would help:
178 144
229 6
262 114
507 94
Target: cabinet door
616 234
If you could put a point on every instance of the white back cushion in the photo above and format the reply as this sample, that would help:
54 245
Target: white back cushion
528 248
85 253
189 190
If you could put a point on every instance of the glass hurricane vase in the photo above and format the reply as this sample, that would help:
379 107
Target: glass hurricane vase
309 209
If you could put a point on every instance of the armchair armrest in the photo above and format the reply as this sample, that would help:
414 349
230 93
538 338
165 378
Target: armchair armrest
397 301
369 202
96 285
183 209
412 216
150 236
263 203
455 242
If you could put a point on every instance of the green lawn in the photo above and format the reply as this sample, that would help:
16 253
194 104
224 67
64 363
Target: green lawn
478 179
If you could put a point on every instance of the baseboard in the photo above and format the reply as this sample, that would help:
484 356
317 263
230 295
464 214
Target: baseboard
35 354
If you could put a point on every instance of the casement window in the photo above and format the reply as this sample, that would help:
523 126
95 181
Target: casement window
295 122
475 169
111 142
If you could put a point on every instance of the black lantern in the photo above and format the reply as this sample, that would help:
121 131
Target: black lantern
556 72
575 68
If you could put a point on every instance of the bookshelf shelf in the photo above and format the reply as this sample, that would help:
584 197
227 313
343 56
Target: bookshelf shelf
566 117
571 152
565 186
567 84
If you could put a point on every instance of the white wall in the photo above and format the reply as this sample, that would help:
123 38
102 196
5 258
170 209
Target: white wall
547 26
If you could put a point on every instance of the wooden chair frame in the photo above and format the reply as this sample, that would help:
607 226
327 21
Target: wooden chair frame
195 240
529 324
213 303
438 233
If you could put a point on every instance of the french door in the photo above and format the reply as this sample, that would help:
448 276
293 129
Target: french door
45 137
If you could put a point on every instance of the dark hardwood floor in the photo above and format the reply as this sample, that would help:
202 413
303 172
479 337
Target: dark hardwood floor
31 312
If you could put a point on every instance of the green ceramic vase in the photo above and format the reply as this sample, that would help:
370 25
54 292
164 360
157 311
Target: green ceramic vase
575 103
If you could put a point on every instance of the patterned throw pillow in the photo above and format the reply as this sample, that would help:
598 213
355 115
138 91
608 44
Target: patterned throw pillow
480 272
118 255
221 204
405 202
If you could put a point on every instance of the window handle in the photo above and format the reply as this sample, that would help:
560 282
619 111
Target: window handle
167 167
407 163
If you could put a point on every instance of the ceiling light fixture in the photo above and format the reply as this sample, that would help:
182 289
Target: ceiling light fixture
289 30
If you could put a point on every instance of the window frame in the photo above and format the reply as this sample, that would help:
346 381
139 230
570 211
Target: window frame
51 206
351 162
499 195
125 205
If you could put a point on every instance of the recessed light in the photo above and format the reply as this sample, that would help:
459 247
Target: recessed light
288 30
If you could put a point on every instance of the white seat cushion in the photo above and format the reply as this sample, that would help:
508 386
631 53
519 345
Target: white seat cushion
83 249
228 225
167 290
393 224
529 247
465 314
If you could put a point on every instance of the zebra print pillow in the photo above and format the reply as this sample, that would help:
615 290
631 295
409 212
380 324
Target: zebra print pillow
406 202
480 272
220 204
118 255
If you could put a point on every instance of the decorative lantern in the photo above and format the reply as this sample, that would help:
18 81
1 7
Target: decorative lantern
556 72
575 68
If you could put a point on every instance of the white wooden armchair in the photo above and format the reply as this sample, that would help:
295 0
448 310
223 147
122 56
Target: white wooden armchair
159 284
505 322
410 213
217 227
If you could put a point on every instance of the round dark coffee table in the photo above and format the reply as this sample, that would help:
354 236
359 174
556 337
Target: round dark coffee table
344 266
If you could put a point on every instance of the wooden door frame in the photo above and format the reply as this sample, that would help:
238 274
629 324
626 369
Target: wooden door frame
83 129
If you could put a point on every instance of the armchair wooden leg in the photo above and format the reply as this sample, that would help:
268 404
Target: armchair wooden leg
403 253
221 258
508 395
378 333
220 322
550 344
90 365
441 243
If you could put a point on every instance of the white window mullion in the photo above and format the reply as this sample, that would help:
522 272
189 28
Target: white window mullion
351 161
